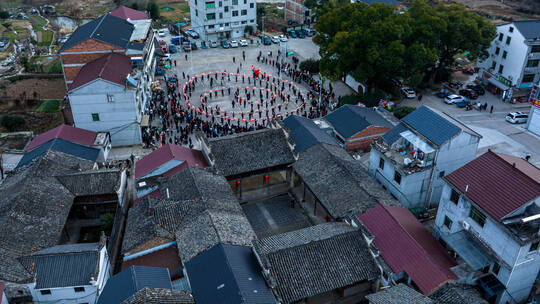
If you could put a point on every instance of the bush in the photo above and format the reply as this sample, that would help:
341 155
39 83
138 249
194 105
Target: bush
12 122
372 99
310 65
55 68
107 221
4 15
49 106
401 112
352 99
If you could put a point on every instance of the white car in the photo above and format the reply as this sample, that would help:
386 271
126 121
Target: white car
161 33
213 44
275 39
282 38
243 42
517 117
234 43
408 92
452 99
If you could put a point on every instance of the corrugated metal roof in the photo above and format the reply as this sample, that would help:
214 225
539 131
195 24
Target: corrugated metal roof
126 12
107 28
405 245
431 125
126 283
159 157
349 120
530 29
494 184
60 145
391 136
227 274
305 133
66 132
112 67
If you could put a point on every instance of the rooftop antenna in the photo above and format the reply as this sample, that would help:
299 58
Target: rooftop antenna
168 196
466 188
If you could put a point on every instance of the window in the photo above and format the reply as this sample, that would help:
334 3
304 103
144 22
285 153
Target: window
234 2
95 116
535 49
532 63
505 53
528 78
210 5
397 177
534 246
501 67
196 13
245 1
447 222
493 65
381 163
244 22
508 39
244 12
195 2
211 16
441 174
251 5
496 268
454 197
511 29
79 289
252 21
477 216
211 26
234 13
497 50
501 35
226 9
45 292
220 15
110 97
227 24
220 4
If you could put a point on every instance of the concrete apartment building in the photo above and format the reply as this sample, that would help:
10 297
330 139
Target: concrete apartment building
513 65
222 19
411 159
295 10
488 218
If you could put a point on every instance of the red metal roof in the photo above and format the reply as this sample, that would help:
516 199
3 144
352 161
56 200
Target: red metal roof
494 184
112 67
405 245
126 12
65 132
152 161
154 194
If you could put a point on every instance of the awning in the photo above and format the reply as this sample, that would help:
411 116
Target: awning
145 120
417 142
467 249
497 83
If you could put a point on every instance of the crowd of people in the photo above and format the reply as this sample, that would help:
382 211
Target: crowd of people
225 103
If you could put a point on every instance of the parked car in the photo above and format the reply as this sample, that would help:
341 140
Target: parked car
442 93
266 40
408 92
477 88
275 39
234 43
310 32
224 44
163 46
243 42
301 34
517 117
193 46
451 99
177 40
292 33
468 93
282 38
161 33
172 49
186 46
193 34
213 44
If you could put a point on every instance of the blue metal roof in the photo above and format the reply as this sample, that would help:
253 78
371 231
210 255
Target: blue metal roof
530 29
227 274
126 283
60 145
349 120
305 133
387 2
431 125
393 134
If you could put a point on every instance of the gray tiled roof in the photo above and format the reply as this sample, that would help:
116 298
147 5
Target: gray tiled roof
457 293
210 228
315 260
339 182
530 29
399 294
160 296
75 267
431 125
194 184
92 182
250 151
107 28
305 133
349 120
34 207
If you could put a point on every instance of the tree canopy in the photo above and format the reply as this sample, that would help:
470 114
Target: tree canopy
376 43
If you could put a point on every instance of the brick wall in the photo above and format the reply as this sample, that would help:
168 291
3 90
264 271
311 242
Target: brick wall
363 139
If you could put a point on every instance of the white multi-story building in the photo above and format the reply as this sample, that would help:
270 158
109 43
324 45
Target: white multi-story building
513 65
222 19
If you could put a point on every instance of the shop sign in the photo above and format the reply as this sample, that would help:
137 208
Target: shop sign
504 81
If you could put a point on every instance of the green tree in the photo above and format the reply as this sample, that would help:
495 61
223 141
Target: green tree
153 8
12 123
134 6
4 15
310 65
107 221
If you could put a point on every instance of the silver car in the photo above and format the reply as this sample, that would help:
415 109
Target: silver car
517 117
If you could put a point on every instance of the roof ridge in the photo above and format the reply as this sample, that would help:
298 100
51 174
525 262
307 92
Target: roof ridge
104 65
415 241
513 167
98 25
